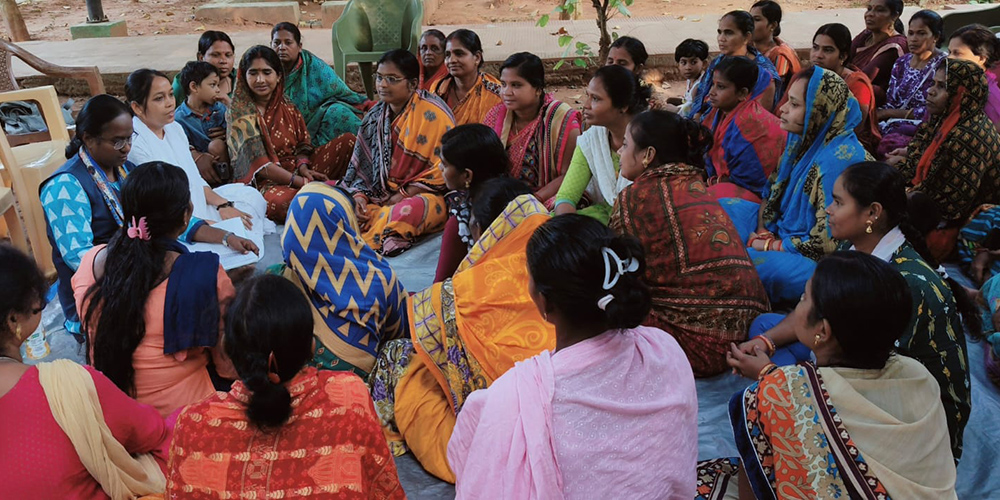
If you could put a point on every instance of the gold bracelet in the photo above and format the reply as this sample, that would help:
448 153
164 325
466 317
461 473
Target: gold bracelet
769 343
767 244
767 369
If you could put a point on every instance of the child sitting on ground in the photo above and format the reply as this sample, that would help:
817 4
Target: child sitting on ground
692 58
202 114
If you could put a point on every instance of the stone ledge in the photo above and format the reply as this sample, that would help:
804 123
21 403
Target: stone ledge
106 29
331 11
259 12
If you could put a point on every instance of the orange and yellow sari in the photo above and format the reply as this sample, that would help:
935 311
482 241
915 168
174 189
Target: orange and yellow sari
480 100
393 153
465 332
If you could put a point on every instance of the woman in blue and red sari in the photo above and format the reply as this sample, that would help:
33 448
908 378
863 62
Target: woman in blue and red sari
747 139
839 428
736 39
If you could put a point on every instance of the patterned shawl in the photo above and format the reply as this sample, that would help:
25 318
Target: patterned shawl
250 148
954 155
483 96
766 74
804 432
800 190
746 145
327 104
473 327
705 288
393 151
357 301
550 130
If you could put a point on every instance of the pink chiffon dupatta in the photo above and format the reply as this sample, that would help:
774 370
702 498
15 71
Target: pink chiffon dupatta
493 458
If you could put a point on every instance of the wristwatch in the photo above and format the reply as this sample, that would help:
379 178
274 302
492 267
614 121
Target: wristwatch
224 205
225 238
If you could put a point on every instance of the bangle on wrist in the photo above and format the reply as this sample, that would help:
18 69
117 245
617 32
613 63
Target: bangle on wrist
769 343
291 181
227 204
767 369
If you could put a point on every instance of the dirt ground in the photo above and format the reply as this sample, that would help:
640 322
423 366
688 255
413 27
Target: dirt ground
51 19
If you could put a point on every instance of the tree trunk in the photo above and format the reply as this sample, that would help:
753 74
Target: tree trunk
604 43
15 23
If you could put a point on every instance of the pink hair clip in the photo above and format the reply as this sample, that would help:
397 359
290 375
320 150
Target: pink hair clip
138 230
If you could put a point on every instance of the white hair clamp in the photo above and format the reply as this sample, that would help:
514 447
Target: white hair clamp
613 264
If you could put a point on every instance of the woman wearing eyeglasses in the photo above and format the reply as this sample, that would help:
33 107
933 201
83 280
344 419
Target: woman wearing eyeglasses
394 175
269 143
82 199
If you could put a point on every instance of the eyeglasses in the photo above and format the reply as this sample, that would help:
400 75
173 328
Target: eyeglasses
118 144
391 80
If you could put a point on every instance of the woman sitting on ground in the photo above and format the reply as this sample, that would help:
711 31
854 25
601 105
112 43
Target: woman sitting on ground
869 212
592 182
735 31
877 47
912 76
51 409
159 138
316 431
767 26
538 131
469 92
520 438
361 302
978 44
465 332
432 66
830 50
787 233
470 155
847 423
693 248
164 304
269 143
217 49
82 199
955 155
329 107
394 173
747 140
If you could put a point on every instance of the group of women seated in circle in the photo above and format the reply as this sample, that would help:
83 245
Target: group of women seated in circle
592 265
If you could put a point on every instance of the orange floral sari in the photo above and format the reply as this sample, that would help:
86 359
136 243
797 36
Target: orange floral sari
480 100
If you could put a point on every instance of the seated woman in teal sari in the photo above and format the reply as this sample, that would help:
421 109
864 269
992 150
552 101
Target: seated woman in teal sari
787 233
358 303
860 423
328 105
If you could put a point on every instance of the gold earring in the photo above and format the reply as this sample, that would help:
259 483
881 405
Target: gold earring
817 340
869 228
645 162
17 332
467 184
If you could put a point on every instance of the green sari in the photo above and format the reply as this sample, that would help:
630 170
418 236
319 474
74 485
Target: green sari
325 101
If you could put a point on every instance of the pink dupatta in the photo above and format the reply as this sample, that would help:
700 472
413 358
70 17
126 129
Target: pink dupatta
622 395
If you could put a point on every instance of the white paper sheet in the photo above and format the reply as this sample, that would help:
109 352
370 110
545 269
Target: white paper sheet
231 259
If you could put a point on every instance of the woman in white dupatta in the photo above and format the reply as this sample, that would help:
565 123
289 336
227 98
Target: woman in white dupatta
592 182
158 137
582 421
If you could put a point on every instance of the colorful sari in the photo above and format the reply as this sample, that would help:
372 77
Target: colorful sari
796 198
329 448
766 75
482 97
861 87
786 61
805 433
427 82
328 105
746 144
877 60
955 157
357 302
465 332
705 289
393 153
907 89
276 139
536 152
973 237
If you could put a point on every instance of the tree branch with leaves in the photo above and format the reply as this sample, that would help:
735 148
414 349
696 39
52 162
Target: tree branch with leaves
583 53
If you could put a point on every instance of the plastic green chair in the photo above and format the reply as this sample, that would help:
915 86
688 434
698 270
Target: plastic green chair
369 28
990 17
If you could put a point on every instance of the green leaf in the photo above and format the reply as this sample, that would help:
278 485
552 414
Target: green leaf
624 10
582 46
614 36
629 2
580 63
542 21
558 64
564 40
